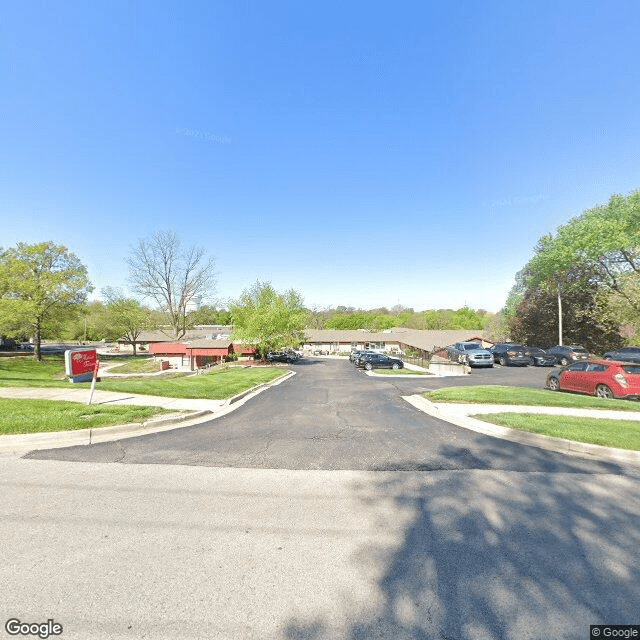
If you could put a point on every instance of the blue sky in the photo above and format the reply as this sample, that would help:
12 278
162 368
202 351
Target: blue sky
363 153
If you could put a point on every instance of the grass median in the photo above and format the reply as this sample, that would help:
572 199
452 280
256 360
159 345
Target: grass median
498 394
37 416
621 434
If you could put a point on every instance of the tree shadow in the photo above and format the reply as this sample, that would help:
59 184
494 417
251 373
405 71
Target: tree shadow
498 554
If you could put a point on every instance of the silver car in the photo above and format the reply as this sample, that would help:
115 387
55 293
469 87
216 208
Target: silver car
470 353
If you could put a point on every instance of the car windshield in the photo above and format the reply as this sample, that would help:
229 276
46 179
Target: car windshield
469 347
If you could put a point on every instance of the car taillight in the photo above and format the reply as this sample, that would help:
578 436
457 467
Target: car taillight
620 379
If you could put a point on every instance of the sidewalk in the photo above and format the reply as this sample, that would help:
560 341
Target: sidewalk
460 415
110 397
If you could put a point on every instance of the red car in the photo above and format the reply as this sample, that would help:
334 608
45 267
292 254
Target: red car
602 378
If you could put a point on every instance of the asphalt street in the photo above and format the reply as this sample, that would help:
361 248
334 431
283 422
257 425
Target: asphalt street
326 508
331 415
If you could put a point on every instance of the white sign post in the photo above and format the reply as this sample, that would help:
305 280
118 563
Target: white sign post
93 382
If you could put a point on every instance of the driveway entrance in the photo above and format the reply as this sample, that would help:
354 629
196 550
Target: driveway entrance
332 416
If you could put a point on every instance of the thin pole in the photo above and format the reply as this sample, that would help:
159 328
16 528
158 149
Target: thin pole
559 317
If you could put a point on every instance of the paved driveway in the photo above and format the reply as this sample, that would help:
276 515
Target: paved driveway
507 542
332 416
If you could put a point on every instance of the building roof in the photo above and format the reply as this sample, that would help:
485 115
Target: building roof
199 332
416 338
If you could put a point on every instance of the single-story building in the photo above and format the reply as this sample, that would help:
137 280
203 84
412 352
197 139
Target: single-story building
334 341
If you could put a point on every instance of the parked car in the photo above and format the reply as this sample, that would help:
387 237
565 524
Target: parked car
282 356
506 353
539 357
354 355
625 354
602 378
470 353
566 354
378 361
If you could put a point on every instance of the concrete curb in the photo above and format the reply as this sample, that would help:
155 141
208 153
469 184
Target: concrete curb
558 445
21 443
393 376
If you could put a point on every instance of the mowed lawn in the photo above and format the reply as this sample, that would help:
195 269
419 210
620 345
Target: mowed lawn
216 384
500 394
621 434
34 416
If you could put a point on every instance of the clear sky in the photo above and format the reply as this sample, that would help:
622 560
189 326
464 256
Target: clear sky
363 153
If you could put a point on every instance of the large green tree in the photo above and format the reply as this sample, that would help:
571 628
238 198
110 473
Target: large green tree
602 246
268 319
125 317
536 315
39 284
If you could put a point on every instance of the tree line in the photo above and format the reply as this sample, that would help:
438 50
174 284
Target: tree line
582 285
44 290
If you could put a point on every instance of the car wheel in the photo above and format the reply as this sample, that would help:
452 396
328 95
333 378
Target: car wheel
564 362
396 366
554 384
368 366
502 360
602 391
532 362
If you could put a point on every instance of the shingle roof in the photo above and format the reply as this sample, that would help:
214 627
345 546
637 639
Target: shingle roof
198 332
419 339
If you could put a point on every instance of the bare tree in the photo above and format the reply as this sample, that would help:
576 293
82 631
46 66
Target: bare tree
160 269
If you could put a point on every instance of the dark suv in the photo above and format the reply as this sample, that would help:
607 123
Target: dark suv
566 354
507 353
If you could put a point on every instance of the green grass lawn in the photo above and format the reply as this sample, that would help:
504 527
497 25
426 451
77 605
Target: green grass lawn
216 384
137 365
34 416
497 394
622 434
24 371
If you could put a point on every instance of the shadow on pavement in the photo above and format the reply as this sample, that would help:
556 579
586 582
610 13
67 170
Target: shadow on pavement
496 555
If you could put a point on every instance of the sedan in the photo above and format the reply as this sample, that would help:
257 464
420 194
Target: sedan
378 361
602 378
280 356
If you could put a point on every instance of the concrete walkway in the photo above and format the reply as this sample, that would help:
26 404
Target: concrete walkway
111 397
460 415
